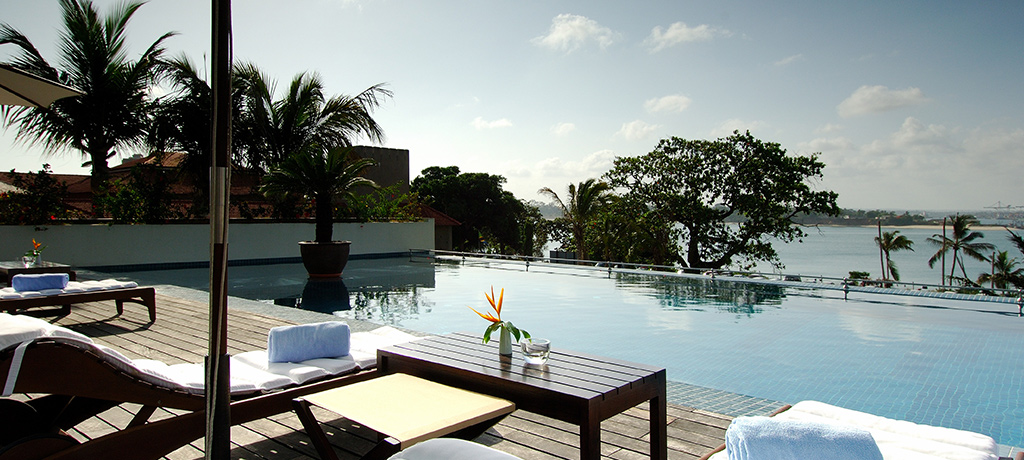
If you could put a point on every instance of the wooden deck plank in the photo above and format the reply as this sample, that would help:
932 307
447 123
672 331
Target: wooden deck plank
179 335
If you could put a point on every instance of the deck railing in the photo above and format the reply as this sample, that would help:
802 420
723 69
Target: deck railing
847 285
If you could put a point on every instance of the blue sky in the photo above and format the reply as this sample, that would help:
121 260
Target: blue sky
913 105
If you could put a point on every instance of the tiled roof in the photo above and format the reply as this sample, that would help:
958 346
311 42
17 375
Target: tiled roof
440 219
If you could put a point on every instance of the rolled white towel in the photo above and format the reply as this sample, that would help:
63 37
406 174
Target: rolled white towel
749 438
301 342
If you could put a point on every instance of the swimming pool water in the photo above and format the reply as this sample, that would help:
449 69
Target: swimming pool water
942 362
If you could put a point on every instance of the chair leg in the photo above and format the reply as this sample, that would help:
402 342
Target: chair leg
149 299
385 448
313 430
144 413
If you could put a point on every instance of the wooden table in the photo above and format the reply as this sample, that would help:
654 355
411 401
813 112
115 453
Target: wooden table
9 269
573 387
404 410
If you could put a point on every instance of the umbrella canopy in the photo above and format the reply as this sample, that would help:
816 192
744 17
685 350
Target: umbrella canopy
18 87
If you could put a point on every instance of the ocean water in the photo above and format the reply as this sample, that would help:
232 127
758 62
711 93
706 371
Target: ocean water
835 251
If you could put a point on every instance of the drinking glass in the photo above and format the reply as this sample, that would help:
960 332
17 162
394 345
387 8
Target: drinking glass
536 351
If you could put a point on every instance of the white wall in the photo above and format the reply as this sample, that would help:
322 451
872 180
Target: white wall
103 245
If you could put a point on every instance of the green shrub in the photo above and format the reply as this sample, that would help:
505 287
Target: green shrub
381 205
41 199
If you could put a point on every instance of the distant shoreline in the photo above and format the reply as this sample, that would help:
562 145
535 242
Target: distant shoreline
985 228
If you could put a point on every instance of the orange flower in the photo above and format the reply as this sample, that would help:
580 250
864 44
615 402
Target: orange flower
35 246
495 319
496 307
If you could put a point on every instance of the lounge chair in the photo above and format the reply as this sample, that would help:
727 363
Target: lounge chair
79 379
896 439
80 292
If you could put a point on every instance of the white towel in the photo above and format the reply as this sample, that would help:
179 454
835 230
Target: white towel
308 341
752 438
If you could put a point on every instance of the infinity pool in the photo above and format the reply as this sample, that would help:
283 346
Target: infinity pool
951 363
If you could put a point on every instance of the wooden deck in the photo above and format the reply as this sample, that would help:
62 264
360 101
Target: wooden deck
180 335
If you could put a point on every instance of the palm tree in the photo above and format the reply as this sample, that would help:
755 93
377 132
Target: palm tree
961 243
113 113
322 176
1004 272
182 121
585 201
1017 240
270 130
892 242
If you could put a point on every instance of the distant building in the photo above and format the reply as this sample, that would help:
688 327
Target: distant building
392 168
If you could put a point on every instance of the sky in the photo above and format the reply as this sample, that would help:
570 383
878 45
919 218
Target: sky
912 105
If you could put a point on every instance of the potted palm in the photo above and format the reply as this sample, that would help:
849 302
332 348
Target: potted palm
322 176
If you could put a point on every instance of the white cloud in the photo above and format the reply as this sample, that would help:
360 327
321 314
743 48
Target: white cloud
789 60
554 172
824 144
875 99
923 165
591 166
680 33
481 124
673 103
829 128
569 32
735 124
637 130
562 129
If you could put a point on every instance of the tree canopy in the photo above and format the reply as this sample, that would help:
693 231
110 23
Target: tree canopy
113 112
491 217
698 184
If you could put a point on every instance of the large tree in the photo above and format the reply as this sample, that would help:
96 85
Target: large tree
584 203
730 196
113 113
962 242
492 218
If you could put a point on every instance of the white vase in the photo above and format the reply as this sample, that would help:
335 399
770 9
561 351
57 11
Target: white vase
505 342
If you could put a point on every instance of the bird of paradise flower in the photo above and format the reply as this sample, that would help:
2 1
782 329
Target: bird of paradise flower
36 249
495 319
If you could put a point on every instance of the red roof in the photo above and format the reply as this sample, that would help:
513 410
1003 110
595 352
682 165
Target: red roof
440 219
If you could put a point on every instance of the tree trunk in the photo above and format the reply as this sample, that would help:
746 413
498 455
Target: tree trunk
952 269
99 178
881 260
324 215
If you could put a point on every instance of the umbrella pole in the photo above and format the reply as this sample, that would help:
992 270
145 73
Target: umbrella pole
218 416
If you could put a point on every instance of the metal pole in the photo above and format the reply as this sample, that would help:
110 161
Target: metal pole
218 408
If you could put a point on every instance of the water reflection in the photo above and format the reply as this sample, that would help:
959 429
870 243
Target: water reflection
325 296
699 294
390 306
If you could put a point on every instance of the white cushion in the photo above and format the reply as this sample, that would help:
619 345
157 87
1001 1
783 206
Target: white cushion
15 329
451 449
250 371
898 439
8 293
